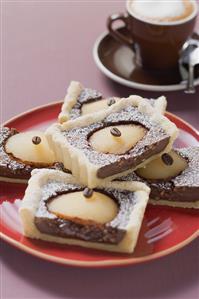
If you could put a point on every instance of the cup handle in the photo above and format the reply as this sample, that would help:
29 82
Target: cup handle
115 33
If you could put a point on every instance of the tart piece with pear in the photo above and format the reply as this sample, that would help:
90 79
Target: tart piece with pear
112 142
56 208
21 152
173 178
80 101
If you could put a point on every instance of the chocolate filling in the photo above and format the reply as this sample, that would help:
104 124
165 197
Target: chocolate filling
11 167
152 143
126 164
110 233
86 96
184 187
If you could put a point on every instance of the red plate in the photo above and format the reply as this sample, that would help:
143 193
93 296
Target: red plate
164 230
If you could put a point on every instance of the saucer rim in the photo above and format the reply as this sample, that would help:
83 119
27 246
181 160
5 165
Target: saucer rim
128 83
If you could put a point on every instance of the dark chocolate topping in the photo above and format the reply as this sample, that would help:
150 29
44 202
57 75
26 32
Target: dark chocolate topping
111 232
153 142
184 187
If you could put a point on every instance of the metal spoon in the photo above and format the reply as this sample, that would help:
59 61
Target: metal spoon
188 47
193 60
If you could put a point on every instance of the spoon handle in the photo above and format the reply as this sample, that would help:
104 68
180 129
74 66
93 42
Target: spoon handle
190 81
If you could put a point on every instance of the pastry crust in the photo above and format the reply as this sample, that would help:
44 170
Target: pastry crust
175 204
13 180
33 196
74 159
70 100
76 88
159 104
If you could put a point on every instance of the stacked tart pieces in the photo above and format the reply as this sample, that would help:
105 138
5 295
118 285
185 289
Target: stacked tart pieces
112 142
94 170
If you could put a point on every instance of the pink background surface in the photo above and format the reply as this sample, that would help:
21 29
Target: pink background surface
45 44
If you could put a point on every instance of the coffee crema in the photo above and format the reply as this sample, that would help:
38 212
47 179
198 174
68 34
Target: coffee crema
162 10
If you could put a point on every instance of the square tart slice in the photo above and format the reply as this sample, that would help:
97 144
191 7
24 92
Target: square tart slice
20 153
172 178
112 142
80 101
56 208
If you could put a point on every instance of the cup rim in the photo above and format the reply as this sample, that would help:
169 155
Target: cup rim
166 23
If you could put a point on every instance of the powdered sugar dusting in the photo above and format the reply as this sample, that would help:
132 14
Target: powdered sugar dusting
125 200
86 96
6 163
190 176
78 137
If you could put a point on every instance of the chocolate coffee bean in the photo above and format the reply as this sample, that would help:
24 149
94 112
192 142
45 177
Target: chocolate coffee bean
115 132
88 192
36 140
167 159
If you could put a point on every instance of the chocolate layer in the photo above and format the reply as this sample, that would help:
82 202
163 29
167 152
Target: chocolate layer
11 167
110 233
126 164
152 143
183 188
86 96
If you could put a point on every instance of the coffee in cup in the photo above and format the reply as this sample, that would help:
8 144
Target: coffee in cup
161 10
157 30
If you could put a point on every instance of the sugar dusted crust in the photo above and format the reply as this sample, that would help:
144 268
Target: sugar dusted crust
75 159
74 92
159 104
176 204
13 180
33 194
70 99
